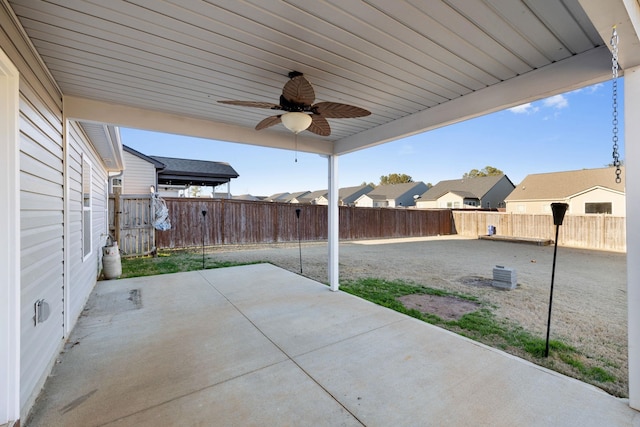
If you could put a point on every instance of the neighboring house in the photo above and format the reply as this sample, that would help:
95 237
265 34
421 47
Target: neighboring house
347 195
141 172
294 197
486 192
170 177
189 172
587 191
278 197
313 197
248 197
393 195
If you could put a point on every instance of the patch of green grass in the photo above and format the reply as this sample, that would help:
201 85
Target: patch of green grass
171 262
594 373
482 325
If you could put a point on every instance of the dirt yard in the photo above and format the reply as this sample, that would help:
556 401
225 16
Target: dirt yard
589 305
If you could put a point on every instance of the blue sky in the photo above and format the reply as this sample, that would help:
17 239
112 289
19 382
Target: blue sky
565 132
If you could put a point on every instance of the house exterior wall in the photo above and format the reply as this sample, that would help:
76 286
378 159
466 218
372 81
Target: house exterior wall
351 198
532 206
49 215
576 204
599 195
427 204
364 201
83 272
450 200
138 175
41 213
407 199
494 198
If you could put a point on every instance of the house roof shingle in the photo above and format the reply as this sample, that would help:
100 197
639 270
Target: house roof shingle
392 191
470 187
560 185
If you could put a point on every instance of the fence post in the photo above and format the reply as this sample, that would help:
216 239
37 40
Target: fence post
223 215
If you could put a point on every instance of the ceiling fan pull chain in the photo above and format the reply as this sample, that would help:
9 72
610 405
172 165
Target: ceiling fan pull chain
614 72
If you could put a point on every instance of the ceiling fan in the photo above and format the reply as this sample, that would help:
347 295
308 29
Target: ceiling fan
300 112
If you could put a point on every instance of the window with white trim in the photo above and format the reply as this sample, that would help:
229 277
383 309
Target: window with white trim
86 208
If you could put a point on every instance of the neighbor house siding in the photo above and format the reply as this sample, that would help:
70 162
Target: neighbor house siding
450 200
599 195
138 175
494 198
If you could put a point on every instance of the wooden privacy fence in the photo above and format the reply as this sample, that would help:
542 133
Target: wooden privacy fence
243 222
601 232
130 223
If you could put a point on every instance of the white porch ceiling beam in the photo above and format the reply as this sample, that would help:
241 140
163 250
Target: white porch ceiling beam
578 71
90 110
625 15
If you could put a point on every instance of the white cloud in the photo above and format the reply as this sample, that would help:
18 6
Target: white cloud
406 149
556 101
524 109
588 89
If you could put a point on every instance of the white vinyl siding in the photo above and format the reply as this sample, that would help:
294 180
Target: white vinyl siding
41 218
42 190
138 176
83 274
86 208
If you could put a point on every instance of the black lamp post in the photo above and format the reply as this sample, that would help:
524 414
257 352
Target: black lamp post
299 244
558 209
204 215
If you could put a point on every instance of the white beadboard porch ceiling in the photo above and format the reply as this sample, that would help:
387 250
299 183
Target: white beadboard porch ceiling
416 65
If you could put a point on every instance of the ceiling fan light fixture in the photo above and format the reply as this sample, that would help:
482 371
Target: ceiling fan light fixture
296 122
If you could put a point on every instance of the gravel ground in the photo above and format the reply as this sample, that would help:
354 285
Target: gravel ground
590 293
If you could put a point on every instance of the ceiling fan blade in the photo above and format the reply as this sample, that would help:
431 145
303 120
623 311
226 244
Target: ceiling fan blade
319 125
334 110
268 122
255 104
298 90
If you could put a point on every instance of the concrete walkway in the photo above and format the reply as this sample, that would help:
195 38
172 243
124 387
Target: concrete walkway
258 345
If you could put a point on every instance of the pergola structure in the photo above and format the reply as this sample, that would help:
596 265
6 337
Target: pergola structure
416 65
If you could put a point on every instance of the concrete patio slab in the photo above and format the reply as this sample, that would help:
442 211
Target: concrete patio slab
258 345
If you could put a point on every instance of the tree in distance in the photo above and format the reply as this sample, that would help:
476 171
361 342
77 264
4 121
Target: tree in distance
395 178
486 171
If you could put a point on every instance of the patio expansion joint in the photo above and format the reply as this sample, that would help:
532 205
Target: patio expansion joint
292 358
193 392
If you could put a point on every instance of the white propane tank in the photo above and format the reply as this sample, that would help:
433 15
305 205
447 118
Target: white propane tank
111 266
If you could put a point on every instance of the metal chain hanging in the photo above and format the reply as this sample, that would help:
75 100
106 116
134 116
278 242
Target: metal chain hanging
614 72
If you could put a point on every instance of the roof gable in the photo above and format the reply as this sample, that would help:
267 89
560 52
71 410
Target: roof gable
158 164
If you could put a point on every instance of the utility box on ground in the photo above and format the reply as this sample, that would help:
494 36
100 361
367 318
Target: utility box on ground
504 278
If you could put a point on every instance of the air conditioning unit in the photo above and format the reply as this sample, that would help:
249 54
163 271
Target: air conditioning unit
504 278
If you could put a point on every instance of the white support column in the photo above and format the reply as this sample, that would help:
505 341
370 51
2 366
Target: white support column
333 228
632 178
9 243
